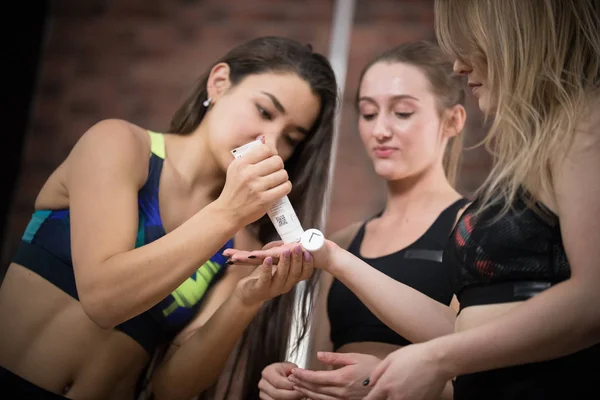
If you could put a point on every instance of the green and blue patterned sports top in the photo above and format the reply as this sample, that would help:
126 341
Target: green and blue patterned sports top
46 250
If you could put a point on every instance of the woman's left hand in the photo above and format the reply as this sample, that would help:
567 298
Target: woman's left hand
268 281
345 383
321 258
410 373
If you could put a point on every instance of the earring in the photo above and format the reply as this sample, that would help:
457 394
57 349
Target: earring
207 102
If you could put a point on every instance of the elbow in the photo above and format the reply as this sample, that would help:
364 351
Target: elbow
98 311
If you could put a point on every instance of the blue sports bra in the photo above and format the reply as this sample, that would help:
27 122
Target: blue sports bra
45 249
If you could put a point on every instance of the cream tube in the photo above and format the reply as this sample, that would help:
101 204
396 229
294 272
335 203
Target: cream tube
281 213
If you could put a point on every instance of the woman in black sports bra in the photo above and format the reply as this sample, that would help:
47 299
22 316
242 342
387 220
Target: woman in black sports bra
122 256
410 121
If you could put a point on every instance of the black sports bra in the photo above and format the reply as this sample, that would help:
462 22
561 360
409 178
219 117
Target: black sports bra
511 259
418 266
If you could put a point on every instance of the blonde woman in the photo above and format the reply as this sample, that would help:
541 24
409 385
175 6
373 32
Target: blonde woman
525 254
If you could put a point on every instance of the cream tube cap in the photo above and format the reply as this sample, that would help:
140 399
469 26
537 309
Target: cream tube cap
312 239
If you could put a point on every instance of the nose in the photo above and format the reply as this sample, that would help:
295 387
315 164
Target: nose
381 130
461 68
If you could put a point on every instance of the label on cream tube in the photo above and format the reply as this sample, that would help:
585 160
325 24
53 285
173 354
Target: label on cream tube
281 213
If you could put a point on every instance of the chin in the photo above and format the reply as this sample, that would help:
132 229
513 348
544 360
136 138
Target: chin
389 174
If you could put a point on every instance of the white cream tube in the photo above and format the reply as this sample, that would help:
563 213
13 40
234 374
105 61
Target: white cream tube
281 213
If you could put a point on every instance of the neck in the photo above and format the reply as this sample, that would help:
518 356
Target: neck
195 163
417 192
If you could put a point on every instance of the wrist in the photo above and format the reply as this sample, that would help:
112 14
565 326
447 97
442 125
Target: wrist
442 358
244 304
229 218
337 259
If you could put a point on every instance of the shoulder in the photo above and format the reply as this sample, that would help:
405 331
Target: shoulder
112 142
116 134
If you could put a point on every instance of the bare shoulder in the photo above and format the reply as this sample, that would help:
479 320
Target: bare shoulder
116 134
344 236
115 142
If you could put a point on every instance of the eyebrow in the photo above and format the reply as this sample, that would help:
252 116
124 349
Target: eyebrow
393 98
281 109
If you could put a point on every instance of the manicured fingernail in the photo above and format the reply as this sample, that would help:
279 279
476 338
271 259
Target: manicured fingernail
366 382
269 261
298 250
251 257
307 256
286 254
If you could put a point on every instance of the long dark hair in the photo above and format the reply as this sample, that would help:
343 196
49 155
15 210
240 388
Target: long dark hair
266 338
445 85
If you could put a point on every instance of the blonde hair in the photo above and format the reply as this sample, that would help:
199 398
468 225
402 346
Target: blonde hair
445 85
543 71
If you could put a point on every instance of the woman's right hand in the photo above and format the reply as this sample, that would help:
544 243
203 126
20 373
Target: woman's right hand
253 183
274 383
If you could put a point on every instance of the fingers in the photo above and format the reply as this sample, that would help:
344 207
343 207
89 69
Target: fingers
283 268
268 166
269 391
256 154
265 274
312 395
277 192
295 268
272 180
334 359
378 371
308 266
323 378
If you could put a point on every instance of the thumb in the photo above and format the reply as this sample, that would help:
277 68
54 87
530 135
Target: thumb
378 371
287 367
330 358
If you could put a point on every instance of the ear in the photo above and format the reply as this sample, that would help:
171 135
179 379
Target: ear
454 120
218 81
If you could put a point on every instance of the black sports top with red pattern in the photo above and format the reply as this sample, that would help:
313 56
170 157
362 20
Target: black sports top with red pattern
511 259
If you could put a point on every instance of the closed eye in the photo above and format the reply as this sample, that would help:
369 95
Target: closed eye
264 113
368 117
403 115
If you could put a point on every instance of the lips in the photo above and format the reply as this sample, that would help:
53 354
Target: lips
384 151
474 86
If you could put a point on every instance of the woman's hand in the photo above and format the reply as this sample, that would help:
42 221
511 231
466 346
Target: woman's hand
274 383
253 183
268 281
410 373
347 382
322 258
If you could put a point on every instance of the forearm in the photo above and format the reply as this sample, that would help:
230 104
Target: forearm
557 322
130 283
407 311
196 365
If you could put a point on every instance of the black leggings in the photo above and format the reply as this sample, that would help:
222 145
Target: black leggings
12 386
571 377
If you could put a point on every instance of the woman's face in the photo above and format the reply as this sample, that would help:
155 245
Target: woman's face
477 82
399 121
279 106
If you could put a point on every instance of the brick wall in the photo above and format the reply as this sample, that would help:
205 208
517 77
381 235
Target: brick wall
135 59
